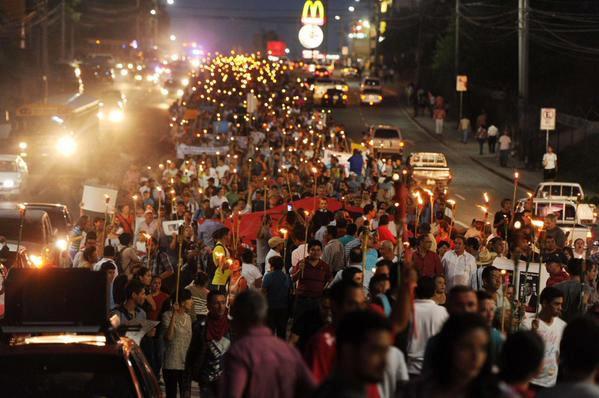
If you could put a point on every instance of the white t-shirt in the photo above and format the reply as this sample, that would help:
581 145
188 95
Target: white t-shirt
549 161
552 336
429 318
221 170
250 272
458 269
396 371
492 131
299 254
504 142
271 253
217 201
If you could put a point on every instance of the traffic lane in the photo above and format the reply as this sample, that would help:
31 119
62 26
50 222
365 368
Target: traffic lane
469 179
136 141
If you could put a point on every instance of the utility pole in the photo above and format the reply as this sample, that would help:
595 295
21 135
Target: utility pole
63 30
456 54
44 13
522 66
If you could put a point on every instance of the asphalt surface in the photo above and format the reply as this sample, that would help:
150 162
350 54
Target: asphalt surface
470 180
134 141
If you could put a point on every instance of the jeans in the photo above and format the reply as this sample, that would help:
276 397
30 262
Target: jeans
503 157
176 379
492 140
303 304
465 136
481 145
277 321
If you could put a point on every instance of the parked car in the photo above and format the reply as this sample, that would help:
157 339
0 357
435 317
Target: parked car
13 175
37 236
386 140
334 97
371 96
320 88
430 169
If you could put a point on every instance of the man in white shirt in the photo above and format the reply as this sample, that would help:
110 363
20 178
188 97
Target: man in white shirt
217 200
149 225
550 327
249 271
549 164
276 245
505 144
458 264
492 137
429 318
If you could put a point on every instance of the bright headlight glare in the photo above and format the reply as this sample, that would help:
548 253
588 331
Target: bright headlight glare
36 260
61 244
66 145
116 115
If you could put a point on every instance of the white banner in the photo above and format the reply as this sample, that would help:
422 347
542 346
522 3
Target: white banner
343 158
94 199
189 150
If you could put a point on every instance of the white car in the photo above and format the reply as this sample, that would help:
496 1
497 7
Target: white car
13 174
321 86
386 139
371 97
371 83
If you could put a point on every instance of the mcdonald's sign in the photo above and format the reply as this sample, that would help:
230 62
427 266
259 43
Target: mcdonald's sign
313 13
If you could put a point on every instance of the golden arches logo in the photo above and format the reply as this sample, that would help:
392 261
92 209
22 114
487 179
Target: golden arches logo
313 13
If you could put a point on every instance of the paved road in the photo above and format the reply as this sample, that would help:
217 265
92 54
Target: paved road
470 180
136 141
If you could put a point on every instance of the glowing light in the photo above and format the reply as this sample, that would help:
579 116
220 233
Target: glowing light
66 145
173 37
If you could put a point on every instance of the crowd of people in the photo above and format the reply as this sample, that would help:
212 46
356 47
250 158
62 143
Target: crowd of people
276 272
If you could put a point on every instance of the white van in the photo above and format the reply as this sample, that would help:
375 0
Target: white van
13 175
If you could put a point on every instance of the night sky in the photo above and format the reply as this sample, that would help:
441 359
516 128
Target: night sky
282 16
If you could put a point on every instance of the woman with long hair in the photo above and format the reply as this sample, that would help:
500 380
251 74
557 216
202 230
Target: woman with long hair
461 367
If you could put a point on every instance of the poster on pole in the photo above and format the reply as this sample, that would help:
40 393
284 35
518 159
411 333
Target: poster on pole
461 83
548 118
94 199
171 227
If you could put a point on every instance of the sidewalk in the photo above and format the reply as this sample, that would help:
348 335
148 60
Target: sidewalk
451 138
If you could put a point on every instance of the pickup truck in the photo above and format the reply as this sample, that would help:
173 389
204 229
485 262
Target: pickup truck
560 190
574 219
430 169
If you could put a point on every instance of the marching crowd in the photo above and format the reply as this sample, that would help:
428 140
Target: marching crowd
277 273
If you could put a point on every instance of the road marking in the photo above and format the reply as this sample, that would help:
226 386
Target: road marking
459 196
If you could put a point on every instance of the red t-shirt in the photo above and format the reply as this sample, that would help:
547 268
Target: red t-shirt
320 355
385 234
159 300
555 279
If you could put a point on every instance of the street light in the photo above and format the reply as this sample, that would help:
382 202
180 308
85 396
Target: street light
170 2
173 37
153 12
337 17
351 8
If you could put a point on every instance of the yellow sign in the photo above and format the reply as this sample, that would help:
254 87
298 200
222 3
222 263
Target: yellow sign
313 13
462 83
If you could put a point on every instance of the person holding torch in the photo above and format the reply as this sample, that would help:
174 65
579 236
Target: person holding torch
221 257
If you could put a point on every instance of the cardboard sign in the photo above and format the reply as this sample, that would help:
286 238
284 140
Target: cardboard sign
171 227
94 199
461 83
548 118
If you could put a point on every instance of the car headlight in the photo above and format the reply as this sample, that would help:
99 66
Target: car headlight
37 261
66 145
61 244
8 183
164 91
139 78
22 146
116 115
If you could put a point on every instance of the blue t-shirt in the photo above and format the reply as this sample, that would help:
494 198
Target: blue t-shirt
277 284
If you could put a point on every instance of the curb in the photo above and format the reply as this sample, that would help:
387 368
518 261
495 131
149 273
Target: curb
492 170
474 159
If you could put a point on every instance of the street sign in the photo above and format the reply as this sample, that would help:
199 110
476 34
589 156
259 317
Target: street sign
461 83
548 116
